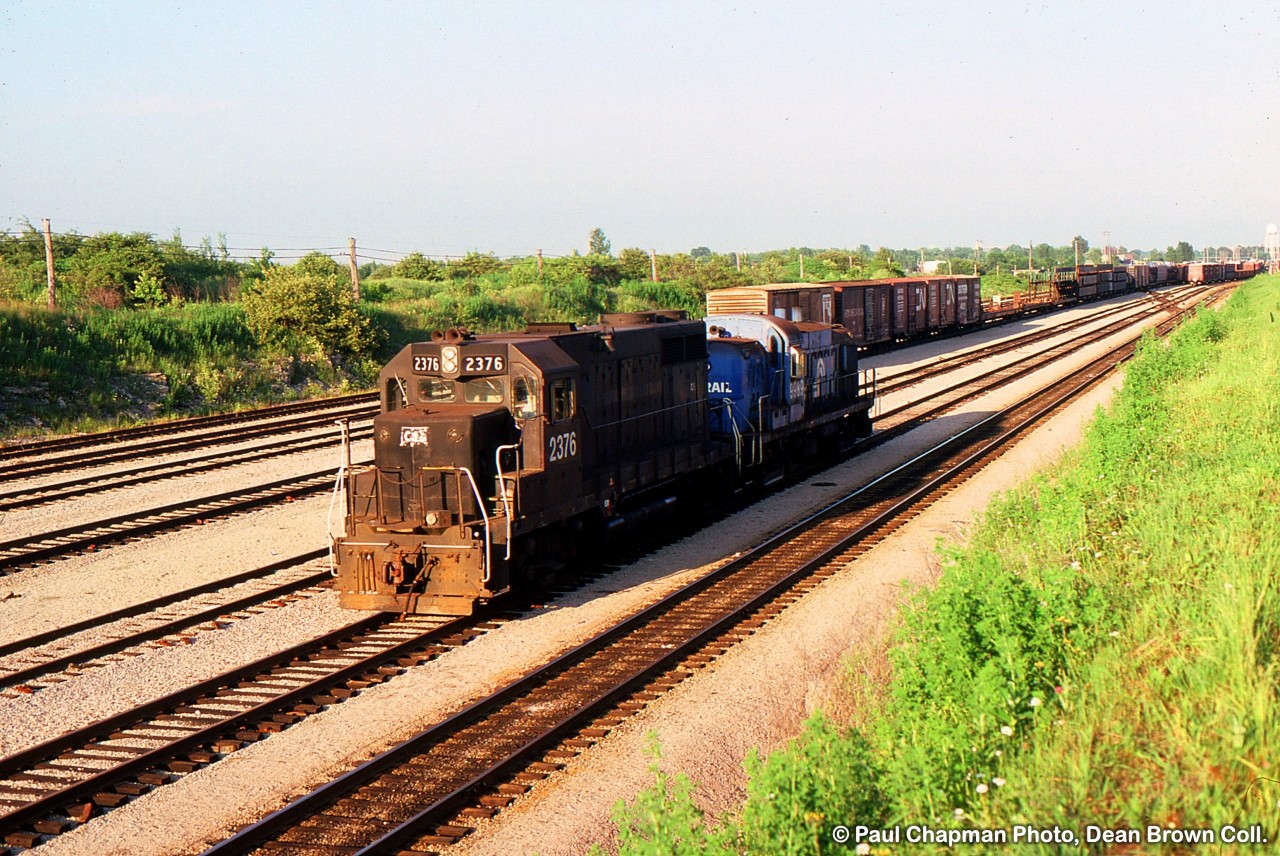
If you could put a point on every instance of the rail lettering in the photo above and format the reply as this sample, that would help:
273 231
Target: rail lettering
426 363
720 386
562 447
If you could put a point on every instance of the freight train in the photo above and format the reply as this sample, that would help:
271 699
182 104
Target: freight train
882 312
498 458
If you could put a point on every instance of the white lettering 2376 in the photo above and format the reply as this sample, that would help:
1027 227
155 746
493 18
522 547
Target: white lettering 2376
562 446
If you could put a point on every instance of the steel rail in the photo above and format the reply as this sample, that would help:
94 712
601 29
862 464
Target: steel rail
25 469
68 630
61 542
28 497
189 700
120 435
85 657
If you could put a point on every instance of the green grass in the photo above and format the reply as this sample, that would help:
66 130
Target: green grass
96 368
1103 651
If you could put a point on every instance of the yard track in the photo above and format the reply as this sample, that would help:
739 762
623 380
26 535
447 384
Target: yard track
22 449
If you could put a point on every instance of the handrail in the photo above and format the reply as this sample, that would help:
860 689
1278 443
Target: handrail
502 489
343 466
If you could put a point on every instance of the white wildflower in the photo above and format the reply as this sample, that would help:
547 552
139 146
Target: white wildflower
1006 731
863 849
982 789
998 782
959 813
1035 701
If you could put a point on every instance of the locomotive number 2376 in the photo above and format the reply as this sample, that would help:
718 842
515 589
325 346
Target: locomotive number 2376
471 364
562 447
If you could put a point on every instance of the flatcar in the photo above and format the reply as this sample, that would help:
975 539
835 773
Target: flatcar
498 457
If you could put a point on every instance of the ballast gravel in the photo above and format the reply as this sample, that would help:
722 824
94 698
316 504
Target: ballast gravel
755 695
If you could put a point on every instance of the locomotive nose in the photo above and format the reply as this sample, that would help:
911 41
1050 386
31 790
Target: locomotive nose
425 457
410 439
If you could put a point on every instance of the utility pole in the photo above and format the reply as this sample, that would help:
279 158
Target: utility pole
737 261
1030 267
920 267
355 272
802 265
653 263
539 262
977 255
48 262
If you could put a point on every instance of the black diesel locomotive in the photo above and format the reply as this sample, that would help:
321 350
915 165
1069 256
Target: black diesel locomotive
497 457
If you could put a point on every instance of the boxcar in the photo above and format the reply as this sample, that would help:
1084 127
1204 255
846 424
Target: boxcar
794 301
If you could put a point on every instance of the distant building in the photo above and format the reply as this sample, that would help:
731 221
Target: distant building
932 267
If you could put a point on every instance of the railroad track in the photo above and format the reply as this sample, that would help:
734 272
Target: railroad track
424 793
19 449
911 376
59 463
149 473
909 414
91 537
60 784
27 665
57 785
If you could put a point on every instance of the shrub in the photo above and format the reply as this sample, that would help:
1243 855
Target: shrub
295 310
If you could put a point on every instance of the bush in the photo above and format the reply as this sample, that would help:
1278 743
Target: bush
296 310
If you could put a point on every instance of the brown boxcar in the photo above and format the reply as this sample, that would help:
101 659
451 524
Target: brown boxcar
934 297
968 300
947 304
879 302
1141 274
794 301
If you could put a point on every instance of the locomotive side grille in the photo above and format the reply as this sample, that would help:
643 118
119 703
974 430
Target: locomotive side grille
682 349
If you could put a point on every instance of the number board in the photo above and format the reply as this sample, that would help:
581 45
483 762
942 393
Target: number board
451 360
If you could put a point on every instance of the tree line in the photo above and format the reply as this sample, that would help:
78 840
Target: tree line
309 305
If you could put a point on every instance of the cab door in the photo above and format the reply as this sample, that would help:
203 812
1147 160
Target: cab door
563 443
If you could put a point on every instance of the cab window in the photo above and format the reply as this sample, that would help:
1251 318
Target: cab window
435 389
524 396
797 363
485 390
562 403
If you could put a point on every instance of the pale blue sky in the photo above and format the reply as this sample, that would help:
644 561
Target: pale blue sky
445 127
